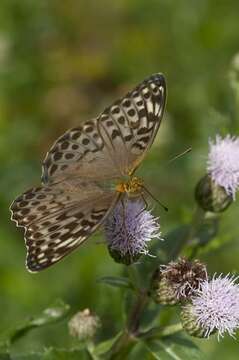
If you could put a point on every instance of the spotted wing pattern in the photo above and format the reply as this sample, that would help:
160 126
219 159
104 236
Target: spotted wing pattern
58 218
72 203
113 144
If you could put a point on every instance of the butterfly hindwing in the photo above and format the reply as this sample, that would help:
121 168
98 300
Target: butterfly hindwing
57 220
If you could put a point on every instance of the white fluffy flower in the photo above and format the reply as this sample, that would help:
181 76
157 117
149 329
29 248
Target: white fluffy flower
129 228
223 163
83 325
216 305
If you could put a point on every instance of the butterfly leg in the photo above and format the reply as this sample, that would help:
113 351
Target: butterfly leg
123 207
146 205
123 212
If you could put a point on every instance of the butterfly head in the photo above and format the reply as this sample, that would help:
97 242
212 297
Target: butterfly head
133 186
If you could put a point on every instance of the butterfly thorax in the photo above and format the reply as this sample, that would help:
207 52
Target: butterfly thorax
132 187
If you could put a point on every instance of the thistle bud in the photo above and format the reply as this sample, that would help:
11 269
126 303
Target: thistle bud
162 291
83 325
211 196
190 323
176 282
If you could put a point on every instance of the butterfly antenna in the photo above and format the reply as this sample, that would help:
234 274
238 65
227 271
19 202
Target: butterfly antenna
153 197
180 155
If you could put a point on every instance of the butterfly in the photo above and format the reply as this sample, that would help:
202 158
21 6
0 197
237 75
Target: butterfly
86 172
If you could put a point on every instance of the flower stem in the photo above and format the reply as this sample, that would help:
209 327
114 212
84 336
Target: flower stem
136 312
122 346
197 220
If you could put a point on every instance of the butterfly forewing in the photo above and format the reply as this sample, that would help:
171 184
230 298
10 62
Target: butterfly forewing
130 125
58 218
113 144
79 152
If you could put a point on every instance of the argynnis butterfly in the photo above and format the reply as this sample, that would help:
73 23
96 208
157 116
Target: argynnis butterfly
77 194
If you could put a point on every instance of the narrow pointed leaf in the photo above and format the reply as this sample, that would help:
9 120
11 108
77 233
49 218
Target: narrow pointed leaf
54 313
174 348
116 281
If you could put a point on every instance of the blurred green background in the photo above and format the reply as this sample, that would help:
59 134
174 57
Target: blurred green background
62 62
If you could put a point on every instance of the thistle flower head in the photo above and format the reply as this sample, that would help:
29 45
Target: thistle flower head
83 325
184 276
176 282
223 163
215 306
129 229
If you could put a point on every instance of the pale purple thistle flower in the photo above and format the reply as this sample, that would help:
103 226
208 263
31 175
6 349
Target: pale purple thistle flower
216 305
129 228
223 163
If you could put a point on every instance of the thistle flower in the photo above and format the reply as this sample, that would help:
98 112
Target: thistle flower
177 281
213 308
223 163
83 325
128 231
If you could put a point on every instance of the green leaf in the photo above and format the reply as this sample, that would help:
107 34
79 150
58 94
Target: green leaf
117 281
29 356
105 346
52 354
175 347
140 351
64 354
150 315
56 312
174 242
50 315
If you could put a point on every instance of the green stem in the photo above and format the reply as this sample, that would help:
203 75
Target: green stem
160 332
136 312
197 220
122 346
211 224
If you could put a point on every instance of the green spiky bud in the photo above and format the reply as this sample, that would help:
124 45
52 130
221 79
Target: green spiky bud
163 293
126 259
210 196
190 322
